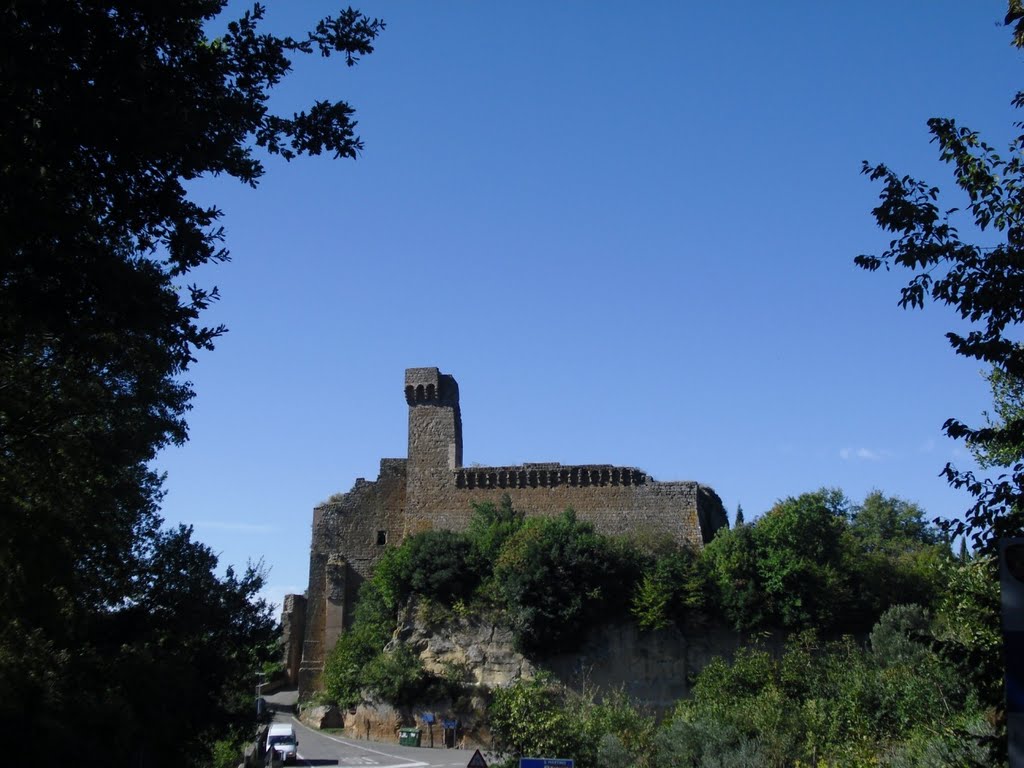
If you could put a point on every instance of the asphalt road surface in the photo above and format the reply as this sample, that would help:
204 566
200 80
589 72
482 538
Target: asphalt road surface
318 748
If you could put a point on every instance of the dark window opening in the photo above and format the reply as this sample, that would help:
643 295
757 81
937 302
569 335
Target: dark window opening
382 538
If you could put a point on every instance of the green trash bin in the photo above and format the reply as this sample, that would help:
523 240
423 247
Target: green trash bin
409 737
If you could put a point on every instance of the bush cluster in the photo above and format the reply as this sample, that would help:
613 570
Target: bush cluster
551 578
816 561
897 702
814 565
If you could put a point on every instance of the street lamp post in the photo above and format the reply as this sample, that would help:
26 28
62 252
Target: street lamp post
259 700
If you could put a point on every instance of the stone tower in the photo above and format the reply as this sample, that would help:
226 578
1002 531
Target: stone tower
435 432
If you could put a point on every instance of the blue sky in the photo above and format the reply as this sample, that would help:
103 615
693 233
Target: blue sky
628 233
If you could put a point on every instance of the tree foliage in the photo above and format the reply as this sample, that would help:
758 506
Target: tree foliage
1007 407
980 276
557 578
161 678
813 561
789 568
671 590
437 565
530 717
374 622
822 703
110 108
490 527
541 717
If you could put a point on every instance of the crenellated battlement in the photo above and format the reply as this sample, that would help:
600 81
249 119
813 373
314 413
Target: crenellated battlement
549 476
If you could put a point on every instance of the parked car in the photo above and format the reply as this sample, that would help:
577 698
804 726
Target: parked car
281 743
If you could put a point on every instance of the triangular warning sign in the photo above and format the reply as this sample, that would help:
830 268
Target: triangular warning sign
477 761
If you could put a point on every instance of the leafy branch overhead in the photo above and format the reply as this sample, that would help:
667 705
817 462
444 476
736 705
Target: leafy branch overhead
981 279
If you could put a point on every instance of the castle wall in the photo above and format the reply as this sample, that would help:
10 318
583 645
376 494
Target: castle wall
432 490
617 500
350 534
293 630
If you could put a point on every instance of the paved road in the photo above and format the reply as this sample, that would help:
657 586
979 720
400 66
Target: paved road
317 748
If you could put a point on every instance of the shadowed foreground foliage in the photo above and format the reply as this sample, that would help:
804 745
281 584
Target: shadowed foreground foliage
117 638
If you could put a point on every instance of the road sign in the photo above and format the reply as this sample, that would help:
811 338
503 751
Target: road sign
477 761
545 762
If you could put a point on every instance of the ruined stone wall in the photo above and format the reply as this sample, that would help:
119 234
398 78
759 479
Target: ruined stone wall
293 631
349 536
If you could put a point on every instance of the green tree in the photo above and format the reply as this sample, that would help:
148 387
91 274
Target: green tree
889 524
982 282
968 625
530 717
669 591
802 559
373 624
821 703
901 557
731 560
1008 408
438 566
110 108
489 528
396 676
812 561
541 717
164 676
557 578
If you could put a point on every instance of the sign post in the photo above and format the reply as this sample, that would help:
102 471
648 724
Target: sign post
428 718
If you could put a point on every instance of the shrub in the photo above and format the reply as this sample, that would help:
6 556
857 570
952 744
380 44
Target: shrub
529 717
439 566
396 676
557 578
540 717
670 590
433 564
705 742
489 528
372 627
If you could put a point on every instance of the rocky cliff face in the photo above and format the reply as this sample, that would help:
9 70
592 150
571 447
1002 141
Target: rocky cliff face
480 648
654 668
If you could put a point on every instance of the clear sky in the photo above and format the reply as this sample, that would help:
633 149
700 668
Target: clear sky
627 230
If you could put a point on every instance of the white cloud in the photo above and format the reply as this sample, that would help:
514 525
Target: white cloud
862 454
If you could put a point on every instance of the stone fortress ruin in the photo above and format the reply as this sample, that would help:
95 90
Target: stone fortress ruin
431 489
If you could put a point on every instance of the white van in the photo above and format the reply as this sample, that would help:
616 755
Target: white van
281 740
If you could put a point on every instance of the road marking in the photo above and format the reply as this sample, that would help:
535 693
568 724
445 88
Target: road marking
407 764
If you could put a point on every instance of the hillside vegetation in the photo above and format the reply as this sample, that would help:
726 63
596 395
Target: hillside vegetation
919 686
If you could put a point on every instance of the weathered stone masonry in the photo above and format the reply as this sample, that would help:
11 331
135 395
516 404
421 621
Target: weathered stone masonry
431 489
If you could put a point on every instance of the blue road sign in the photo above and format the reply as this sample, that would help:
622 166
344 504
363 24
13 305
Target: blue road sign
545 762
